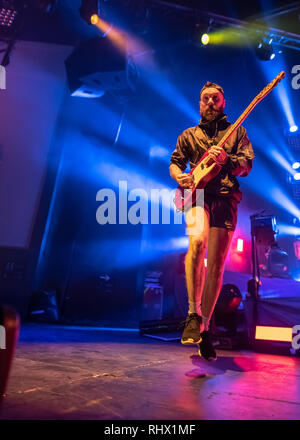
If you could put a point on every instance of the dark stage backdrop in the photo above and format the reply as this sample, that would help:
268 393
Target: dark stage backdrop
29 108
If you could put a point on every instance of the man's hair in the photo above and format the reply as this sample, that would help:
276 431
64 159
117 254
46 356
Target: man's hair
212 85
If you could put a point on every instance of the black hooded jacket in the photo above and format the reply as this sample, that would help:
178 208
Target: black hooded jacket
193 142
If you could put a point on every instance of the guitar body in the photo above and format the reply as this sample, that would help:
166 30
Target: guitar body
205 170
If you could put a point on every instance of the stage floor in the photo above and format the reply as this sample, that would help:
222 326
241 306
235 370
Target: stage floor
74 373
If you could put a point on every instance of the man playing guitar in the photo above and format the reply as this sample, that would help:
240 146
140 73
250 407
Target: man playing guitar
221 197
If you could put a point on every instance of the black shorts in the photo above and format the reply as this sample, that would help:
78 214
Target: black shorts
222 211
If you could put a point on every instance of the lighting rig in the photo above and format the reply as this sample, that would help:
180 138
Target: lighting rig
12 16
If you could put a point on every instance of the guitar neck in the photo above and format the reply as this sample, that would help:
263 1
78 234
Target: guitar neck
250 107
238 122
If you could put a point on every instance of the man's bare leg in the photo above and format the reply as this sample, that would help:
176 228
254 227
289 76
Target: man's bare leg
194 260
219 242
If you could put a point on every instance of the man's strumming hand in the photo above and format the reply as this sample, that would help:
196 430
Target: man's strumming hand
218 154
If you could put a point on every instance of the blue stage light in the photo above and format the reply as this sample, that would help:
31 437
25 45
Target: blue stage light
162 84
296 165
281 160
293 128
297 176
296 275
157 151
273 191
285 229
282 91
264 51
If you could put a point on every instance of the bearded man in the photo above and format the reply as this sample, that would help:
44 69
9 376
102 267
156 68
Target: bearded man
219 211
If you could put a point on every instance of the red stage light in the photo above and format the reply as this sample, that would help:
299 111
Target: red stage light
240 245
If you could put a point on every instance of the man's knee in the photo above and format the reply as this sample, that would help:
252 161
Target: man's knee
197 245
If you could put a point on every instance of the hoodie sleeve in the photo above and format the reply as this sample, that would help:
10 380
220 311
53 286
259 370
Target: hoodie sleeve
240 164
179 156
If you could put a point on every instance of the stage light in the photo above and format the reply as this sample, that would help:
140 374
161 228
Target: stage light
11 20
280 334
264 51
278 262
293 128
240 245
205 39
94 19
296 275
7 16
225 313
229 300
296 165
89 9
297 176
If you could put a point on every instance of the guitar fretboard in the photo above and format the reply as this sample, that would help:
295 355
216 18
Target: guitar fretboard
249 109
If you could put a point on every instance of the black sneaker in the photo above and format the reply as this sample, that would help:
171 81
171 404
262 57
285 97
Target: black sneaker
191 333
206 348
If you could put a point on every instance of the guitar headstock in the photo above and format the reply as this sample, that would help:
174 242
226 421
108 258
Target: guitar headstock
271 85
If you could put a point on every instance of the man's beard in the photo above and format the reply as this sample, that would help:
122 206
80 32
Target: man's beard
211 113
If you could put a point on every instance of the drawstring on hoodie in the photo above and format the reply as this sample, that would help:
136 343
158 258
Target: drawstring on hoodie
211 126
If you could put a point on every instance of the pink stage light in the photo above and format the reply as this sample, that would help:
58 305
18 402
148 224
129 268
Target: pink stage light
297 249
240 245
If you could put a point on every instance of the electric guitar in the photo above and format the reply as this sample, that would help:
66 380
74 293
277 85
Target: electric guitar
207 168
